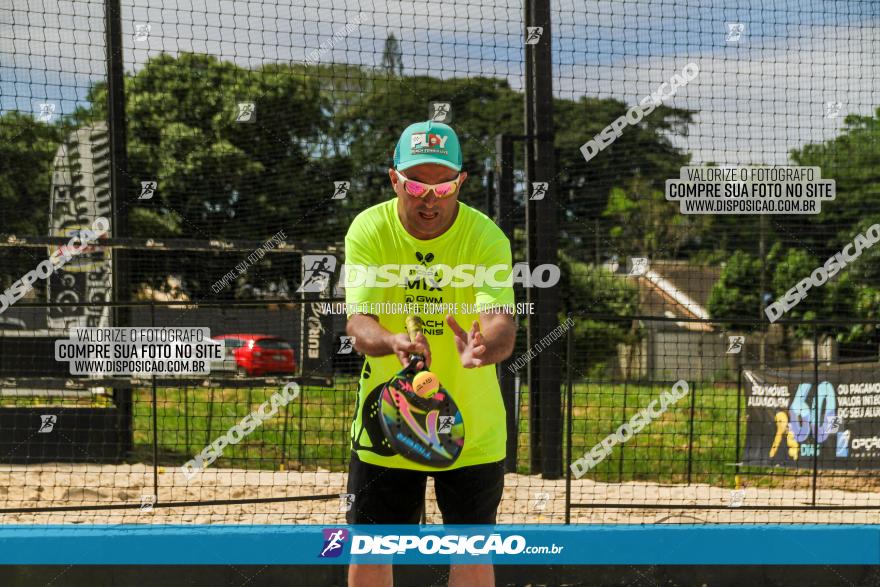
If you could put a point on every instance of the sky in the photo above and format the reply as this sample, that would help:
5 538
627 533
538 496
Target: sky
757 96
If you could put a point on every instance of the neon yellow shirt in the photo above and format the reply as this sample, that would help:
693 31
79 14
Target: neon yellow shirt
377 237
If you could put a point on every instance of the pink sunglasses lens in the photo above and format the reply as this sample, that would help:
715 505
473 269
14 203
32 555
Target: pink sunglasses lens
414 188
444 189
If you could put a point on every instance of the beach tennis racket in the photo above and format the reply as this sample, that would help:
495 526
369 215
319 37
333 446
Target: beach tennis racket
418 416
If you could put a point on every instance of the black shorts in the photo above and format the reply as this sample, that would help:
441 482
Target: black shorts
468 495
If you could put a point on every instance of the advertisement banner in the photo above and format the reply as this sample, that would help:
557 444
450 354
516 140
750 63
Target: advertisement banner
316 340
432 544
792 415
80 194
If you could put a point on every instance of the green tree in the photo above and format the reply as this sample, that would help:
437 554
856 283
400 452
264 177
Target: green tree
645 223
735 294
852 159
867 307
27 152
219 178
590 289
644 151
789 266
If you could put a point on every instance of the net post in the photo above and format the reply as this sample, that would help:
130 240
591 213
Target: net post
690 460
154 410
815 413
739 394
299 443
569 354
534 408
623 445
503 209
545 380
116 125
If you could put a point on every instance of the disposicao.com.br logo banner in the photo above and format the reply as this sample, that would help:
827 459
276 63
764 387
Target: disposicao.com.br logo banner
428 544
520 544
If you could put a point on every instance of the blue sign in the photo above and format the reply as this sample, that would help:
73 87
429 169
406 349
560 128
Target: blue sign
586 544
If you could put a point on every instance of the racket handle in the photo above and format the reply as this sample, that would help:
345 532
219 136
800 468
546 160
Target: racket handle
414 326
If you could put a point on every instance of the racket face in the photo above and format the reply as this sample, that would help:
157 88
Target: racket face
429 431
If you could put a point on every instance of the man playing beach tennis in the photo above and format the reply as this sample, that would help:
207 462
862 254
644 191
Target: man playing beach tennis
426 226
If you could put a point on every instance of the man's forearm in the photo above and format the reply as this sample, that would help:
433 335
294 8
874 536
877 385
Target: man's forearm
499 336
370 337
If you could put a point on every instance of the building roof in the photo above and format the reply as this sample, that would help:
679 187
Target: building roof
676 289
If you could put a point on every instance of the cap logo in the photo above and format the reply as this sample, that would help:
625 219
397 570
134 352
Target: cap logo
422 142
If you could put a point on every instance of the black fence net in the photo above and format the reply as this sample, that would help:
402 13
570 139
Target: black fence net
705 179
685 427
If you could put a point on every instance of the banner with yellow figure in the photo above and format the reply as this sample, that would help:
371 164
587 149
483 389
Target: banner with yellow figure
794 417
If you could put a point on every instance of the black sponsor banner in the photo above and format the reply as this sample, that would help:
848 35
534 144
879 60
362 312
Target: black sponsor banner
317 341
317 336
789 417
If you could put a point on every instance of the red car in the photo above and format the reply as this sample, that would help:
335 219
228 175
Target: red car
258 354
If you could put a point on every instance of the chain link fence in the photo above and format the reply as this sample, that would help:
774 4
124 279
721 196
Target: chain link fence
228 146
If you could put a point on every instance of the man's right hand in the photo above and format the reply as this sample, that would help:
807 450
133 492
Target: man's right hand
403 347
371 339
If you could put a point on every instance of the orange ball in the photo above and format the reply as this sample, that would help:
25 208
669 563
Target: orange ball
426 384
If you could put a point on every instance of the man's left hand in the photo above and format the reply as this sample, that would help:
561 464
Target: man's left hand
470 345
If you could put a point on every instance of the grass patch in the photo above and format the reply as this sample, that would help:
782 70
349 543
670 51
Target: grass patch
310 432
313 431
